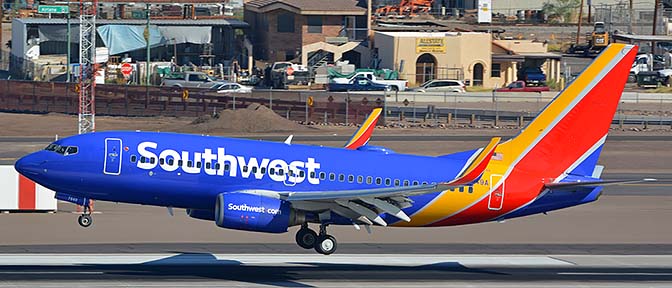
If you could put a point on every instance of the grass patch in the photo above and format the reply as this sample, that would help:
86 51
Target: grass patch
477 89
661 89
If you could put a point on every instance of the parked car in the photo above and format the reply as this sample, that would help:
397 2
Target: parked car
521 86
231 88
396 85
438 85
189 80
360 83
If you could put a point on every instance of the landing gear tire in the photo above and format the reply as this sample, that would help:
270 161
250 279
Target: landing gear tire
326 244
306 238
85 220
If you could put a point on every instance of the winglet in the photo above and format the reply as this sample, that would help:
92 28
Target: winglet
363 134
477 166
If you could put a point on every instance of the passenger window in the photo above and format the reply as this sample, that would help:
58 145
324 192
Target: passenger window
143 159
406 183
332 176
416 183
303 174
227 167
179 162
152 160
379 180
351 178
360 179
471 189
198 164
162 161
207 165
397 182
244 168
462 189
134 158
217 166
312 174
271 171
424 183
171 161
341 177
290 173
281 172
388 181
323 175
254 170
263 170
190 163
369 179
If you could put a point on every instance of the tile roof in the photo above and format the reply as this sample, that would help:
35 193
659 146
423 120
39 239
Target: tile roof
330 6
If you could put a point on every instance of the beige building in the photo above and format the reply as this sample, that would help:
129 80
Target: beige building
422 56
469 56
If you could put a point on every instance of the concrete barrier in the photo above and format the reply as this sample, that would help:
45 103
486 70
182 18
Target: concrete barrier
19 193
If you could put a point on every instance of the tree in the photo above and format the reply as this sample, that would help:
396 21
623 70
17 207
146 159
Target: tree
560 11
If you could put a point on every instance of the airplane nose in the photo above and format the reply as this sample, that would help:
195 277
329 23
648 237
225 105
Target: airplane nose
27 165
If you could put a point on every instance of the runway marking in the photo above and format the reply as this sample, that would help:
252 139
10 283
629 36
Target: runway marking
615 273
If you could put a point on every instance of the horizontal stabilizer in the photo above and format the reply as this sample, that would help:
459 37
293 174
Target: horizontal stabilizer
565 185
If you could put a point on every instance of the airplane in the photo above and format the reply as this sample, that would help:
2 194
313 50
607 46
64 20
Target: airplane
268 187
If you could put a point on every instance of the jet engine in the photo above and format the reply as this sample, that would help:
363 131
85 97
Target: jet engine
255 212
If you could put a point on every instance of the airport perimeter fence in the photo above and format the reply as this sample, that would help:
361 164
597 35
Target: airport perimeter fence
126 100
454 109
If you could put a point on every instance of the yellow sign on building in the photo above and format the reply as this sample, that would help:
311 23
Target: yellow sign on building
430 45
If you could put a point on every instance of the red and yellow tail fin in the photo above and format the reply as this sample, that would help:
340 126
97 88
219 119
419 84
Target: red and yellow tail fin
363 134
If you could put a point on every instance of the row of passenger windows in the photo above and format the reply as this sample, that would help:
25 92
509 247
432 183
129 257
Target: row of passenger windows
322 175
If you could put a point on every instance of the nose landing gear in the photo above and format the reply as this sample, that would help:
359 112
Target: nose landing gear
85 219
323 243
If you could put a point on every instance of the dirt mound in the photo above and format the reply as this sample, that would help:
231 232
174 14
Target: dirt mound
256 118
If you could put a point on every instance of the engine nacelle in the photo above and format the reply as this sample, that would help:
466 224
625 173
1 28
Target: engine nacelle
201 214
255 212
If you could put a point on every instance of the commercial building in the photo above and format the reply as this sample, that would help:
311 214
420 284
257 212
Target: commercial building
310 32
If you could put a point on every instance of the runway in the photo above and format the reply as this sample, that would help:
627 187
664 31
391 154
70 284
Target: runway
343 270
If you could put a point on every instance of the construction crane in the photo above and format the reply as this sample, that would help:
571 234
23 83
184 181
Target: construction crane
406 8
87 65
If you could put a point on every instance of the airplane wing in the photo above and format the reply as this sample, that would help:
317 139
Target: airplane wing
363 134
391 200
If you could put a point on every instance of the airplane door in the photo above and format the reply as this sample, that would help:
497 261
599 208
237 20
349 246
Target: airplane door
496 200
112 156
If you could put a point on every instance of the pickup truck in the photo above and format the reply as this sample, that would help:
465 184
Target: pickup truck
188 80
395 85
533 75
360 83
521 86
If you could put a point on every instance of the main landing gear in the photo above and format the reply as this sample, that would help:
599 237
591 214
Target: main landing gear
322 243
85 219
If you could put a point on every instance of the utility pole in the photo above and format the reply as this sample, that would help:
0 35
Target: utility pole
630 16
589 12
578 29
147 38
67 67
655 17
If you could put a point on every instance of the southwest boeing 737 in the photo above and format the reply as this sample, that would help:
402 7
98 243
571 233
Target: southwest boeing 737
269 187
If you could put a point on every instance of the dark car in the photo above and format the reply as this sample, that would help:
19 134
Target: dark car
533 75
358 84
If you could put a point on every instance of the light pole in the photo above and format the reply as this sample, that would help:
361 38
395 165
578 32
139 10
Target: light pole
67 67
147 38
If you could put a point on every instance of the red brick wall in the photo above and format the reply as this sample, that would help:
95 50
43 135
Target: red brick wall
331 27
280 43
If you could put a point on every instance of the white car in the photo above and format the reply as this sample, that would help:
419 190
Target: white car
231 88
441 86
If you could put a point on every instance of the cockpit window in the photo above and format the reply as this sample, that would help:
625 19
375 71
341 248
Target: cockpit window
63 150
